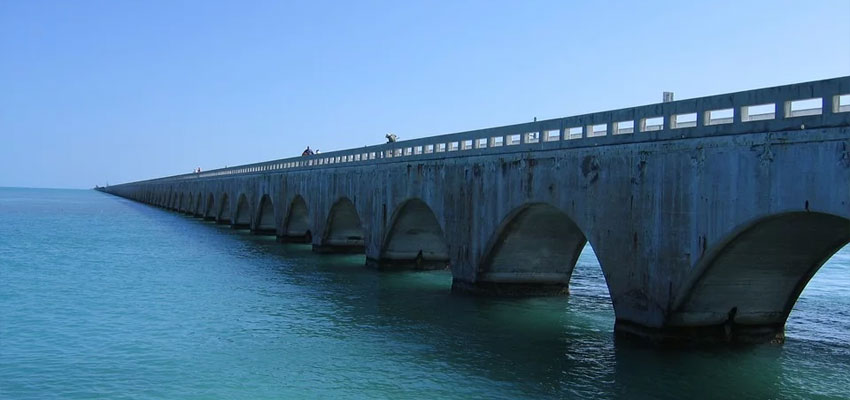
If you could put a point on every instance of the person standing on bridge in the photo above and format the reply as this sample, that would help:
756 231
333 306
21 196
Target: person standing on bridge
307 152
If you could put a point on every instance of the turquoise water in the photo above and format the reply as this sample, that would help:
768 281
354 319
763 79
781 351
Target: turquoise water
101 297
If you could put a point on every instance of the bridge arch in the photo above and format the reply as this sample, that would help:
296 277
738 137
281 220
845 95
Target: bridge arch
297 226
209 209
265 217
533 252
415 239
180 203
745 286
242 216
343 231
224 215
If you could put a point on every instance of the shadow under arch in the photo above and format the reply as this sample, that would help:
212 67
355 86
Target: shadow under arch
224 215
265 217
242 216
744 287
187 207
533 252
414 240
296 228
343 231
209 210
198 210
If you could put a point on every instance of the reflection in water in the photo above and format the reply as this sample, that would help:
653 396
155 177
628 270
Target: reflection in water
158 305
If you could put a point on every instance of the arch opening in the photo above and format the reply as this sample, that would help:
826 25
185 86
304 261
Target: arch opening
820 311
343 230
242 217
532 253
265 217
297 227
224 216
745 287
209 210
414 240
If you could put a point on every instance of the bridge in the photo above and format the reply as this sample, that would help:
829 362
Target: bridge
708 216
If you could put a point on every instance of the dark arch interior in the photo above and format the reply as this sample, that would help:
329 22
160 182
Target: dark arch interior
224 214
343 231
297 228
533 253
752 280
242 219
415 239
265 221
210 208
199 201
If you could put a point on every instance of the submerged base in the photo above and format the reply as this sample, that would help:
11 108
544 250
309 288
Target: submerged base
728 333
264 232
415 264
502 289
339 249
240 226
302 239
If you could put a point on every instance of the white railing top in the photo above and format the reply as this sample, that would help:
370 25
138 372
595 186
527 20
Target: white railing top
815 104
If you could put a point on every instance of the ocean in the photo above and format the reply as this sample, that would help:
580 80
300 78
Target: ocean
102 297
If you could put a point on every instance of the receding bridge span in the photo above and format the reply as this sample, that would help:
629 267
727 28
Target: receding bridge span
708 216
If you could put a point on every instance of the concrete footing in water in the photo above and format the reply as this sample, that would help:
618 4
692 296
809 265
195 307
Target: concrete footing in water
511 289
727 333
339 249
419 264
301 239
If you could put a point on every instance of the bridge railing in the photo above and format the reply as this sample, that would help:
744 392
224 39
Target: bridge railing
808 105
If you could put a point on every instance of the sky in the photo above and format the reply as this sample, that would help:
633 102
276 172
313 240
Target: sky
96 92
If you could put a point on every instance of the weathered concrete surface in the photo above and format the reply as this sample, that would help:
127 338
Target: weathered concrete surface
710 237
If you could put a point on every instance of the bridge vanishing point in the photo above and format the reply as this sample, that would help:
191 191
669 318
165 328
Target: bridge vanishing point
708 216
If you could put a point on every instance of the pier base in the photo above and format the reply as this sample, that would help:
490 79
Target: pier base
727 333
510 289
339 249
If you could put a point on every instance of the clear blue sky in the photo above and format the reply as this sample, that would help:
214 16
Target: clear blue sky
97 91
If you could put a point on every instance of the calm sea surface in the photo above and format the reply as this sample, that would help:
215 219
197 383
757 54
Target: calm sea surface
101 297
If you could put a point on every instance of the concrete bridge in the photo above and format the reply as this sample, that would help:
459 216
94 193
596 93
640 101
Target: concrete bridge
708 216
